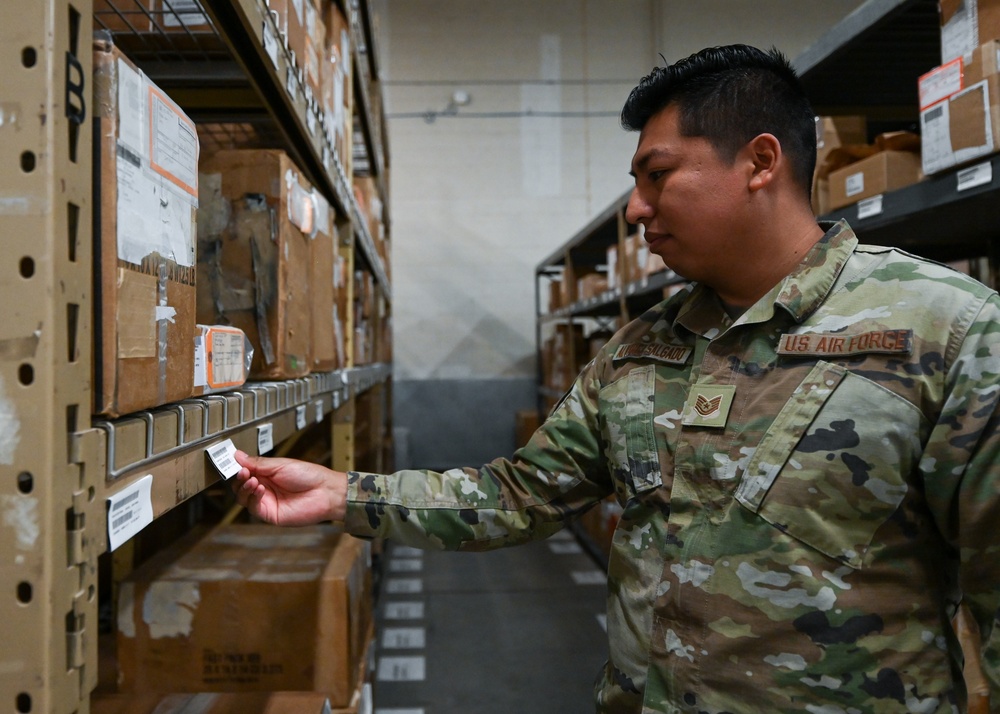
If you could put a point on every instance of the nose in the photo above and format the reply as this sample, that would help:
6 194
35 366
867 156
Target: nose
637 208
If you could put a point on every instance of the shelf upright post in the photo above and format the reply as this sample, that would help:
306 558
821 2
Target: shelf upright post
49 515
619 267
342 420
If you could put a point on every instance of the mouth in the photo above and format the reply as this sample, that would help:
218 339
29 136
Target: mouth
656 239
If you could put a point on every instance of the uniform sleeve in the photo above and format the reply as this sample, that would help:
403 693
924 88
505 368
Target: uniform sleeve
560 472
961 464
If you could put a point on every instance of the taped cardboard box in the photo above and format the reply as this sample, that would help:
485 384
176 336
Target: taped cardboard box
222 359
962 128
146 155
857 172
833 132
326 282
337 95
248 608
966 25
220 703
255 218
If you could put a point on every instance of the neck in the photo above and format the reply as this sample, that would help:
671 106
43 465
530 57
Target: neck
766 261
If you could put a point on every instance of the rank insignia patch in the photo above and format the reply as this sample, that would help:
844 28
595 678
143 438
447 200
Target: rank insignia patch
708 405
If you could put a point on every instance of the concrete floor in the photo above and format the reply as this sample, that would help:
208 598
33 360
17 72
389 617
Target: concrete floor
515 630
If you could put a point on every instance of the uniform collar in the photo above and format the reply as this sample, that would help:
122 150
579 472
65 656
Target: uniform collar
799 294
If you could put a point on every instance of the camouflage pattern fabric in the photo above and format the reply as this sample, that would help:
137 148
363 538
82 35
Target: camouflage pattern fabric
808 491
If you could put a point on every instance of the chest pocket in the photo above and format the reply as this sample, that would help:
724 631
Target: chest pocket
627 410
831 468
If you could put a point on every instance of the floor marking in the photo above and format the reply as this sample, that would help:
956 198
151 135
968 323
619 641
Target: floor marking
404 611
589 577
402 669
399 586
404 638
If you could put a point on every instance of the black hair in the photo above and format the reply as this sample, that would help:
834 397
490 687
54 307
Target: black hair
729 95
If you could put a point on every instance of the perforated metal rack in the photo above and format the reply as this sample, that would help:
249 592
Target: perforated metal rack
229 69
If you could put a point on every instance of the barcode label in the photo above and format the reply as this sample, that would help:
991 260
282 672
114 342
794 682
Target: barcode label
129 511
870 207
978 175
270 43
300 416
319 411
223 455
265 438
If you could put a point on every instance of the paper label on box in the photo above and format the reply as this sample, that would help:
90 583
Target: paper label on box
129 511
173 144
223 455
226 365
200 378
131 114
935 146
940 83
299 8
854 184
185 13
960 35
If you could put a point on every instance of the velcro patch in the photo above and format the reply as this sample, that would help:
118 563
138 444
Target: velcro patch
670 354
821 344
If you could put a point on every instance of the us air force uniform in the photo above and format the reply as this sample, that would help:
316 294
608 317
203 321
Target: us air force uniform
807 490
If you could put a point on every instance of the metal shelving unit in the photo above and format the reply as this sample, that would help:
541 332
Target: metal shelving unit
869 64
58 467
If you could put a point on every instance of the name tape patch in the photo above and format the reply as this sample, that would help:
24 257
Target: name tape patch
812 344
670 354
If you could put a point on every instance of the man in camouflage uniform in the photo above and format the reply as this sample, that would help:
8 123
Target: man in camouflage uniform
804 441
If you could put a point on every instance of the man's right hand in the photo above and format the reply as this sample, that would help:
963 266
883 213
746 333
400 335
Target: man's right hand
287 492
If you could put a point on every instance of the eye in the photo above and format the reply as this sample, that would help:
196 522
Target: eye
657 174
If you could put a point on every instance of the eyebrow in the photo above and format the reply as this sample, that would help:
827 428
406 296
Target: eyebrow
643 161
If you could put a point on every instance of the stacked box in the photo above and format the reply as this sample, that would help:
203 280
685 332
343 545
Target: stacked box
324 353
145 240
256 215
876 174
248 608
960 110
833 132
337 94
966 25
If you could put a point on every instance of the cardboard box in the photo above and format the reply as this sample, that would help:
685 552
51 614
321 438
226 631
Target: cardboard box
591 285
144 242
881 172
967 24
337 95
962 128
255 218
325 284
248 608
833 132
225 703
222 359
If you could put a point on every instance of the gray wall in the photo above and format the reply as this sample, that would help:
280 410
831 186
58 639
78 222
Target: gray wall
480 196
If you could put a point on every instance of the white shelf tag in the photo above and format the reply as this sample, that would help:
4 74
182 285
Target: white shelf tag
870 207
319 410
265 438
129 511
978 175
223 455
270 43
300 416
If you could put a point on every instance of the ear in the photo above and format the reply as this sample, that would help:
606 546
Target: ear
765 153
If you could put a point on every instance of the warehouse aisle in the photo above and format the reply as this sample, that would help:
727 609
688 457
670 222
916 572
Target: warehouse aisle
514 630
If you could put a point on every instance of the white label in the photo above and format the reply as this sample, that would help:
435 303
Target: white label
406 565
567 548
298 7
854 184
935 145
129 511
406 551
300 416
200 375
978 175
228 358
404 611
404 638
602 620
292 83
940 83
173 144
401 669
265 438
960 35
270 43
131 109
589 577
870 207
404 586
319 411
223 455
